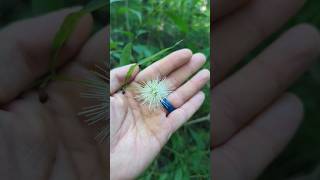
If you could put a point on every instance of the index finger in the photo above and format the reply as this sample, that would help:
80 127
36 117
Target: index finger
166 65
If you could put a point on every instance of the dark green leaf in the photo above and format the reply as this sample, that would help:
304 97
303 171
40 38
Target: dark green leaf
136 13
163 176
125 57
179 175
179 21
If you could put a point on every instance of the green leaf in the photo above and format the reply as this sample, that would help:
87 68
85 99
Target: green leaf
142 50
136 13
197 138
155 56
68 27
63 35
179 174
125 57
129 73
163 176
179 22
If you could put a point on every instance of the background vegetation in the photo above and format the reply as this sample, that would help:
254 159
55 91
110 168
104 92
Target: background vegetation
151 26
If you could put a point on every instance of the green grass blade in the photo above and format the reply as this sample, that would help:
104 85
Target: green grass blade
155 56
63 35
68 27
129 73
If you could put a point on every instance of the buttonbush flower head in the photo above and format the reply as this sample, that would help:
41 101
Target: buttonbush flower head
97 93
151 92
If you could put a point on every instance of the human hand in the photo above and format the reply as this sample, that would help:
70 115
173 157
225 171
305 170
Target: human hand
253 119
48 141
137 133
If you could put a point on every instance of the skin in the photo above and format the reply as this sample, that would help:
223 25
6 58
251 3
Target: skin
48 141
137 134
254 117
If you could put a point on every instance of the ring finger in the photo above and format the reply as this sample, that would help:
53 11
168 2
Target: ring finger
189 89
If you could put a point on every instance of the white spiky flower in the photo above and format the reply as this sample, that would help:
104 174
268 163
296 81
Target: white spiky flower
152 92
98 94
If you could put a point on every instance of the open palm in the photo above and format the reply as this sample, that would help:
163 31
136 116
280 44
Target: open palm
47 141
137 133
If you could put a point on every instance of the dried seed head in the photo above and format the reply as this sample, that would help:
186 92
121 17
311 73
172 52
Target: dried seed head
97 93
151 92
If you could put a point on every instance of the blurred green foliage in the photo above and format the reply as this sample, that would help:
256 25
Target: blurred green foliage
141 28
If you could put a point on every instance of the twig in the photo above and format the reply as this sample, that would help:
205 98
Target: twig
198 120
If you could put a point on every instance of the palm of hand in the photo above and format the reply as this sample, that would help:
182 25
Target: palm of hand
47 141
137 133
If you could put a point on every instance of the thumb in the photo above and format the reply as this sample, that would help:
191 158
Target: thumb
118 77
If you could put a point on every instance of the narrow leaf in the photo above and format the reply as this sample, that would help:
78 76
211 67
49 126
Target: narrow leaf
68 27
63 34
129 73
154 57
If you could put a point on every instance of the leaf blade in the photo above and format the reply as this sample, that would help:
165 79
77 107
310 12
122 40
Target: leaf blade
125 57
153 57
129 73
67 28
